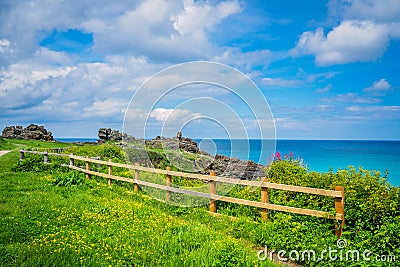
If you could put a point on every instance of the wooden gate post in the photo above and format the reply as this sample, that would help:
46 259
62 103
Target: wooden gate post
98 164
339 207
213 191
21 154
71 160
135 185
87 168
109 172
168 183
264 199
46 157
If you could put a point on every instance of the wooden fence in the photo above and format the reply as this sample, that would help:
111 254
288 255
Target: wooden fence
337 194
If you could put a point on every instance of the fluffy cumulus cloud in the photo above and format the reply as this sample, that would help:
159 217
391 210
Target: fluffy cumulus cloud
86 91
129 41
377 10
165 115
363 34
380 87
351 41
158 29
163 30
196 18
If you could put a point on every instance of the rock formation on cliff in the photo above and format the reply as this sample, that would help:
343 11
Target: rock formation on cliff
147 152
221 165
108 134
32 132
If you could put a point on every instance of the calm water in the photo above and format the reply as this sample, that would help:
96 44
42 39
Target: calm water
319 155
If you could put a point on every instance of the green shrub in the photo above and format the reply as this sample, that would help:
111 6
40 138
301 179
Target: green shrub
31 163
69 178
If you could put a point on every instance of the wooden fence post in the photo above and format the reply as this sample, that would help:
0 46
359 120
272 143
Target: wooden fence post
135 185
21 154
213 191
98 164
109 172
71 160
46 157
339 207
168 183
87 168
264 199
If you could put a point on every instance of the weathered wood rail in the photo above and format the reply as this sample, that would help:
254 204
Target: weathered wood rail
337 194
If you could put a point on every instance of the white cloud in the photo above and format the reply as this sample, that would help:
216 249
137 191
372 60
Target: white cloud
325 89
105 108
172 115
5 46
363 34
198 17
377 10
280 82
351 41
86 91
373 108
389 113
163 30
246 60
378 88
352 98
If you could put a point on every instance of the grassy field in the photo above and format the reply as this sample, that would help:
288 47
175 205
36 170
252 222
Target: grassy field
50 216
93 224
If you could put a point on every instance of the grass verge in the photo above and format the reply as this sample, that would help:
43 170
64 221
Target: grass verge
93 224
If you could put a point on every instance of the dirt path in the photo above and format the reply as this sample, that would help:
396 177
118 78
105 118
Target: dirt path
3 152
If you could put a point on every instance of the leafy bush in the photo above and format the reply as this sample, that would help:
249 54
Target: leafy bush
70 178
372 212
31 163
34 163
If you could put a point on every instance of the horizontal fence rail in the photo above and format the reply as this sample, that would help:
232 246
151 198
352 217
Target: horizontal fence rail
338 193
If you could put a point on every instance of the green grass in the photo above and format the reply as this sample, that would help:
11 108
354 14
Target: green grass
87 222
94 224
8 144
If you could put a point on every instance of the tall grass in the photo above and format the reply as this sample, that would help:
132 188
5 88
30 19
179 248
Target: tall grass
93 224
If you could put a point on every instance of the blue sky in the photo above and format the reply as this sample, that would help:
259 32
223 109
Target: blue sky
328 69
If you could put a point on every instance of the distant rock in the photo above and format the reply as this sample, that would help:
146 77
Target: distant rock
108 134
32 132
184 143
221 165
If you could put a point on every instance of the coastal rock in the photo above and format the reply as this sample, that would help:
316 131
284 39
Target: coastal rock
221 165
233 167
184 143
108 134
32 132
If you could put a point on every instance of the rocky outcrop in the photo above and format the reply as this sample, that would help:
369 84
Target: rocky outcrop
184 143
32 132
232 167
108 134
221 165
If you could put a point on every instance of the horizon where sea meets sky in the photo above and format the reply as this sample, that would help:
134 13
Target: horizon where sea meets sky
328 69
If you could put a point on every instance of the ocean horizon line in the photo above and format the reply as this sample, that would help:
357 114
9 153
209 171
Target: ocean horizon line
283 139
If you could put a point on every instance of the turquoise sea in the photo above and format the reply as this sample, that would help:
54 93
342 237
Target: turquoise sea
319 155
